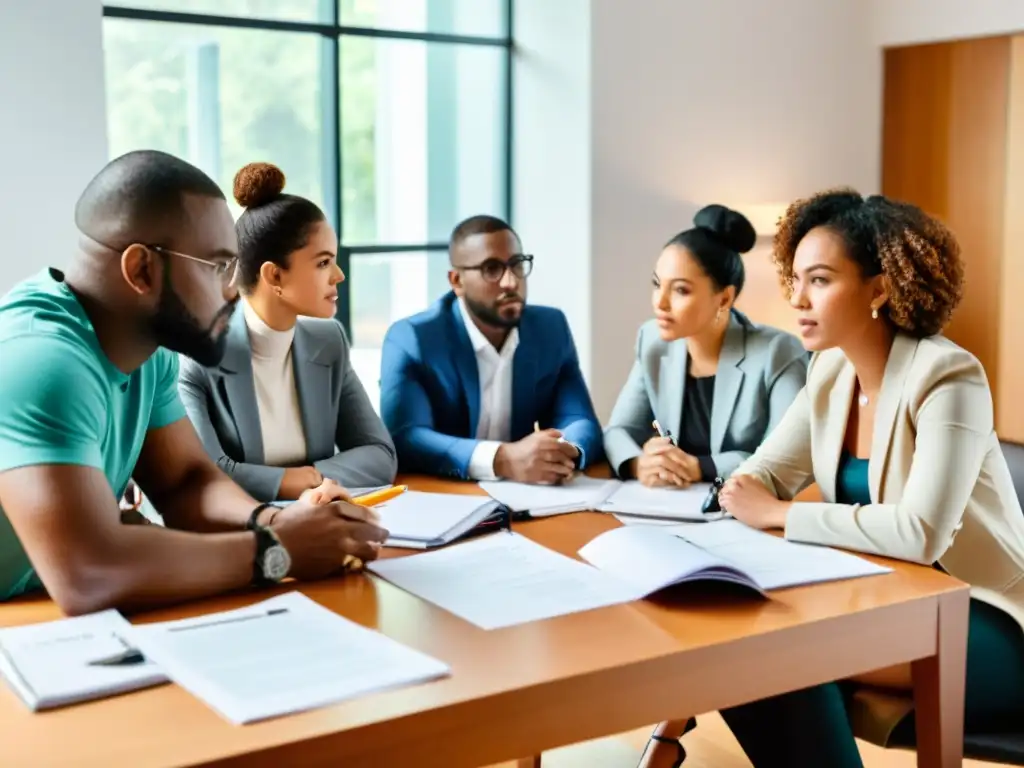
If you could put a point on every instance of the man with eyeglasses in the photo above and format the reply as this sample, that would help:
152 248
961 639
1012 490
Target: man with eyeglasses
88 399
480 385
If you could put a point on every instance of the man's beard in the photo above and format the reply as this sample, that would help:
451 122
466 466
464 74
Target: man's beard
490 315
177 329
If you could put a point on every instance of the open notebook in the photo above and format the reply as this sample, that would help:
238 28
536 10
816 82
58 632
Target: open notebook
627 498
650 558
507 579
416 520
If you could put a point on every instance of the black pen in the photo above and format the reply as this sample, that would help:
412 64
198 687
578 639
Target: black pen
233 620
711 503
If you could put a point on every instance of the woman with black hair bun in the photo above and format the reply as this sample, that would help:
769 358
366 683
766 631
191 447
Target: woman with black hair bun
708 384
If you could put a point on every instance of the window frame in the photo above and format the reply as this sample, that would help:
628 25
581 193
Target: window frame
332 37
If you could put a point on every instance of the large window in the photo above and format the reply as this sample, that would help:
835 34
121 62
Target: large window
393 115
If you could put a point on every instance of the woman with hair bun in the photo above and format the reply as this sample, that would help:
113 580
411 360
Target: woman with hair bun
285 411
713 381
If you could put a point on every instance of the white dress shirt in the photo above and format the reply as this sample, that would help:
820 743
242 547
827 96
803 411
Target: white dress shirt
277 399
495 370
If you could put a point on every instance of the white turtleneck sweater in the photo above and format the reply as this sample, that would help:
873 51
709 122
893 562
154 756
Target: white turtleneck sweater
273 373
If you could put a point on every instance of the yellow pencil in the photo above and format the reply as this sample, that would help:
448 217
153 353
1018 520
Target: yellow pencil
379 497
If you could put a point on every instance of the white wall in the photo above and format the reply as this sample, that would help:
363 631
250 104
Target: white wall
53 135
551 205
903 22
686 107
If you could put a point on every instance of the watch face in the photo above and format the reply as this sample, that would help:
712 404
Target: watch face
276 563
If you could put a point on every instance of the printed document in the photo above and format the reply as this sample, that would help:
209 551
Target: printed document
283 655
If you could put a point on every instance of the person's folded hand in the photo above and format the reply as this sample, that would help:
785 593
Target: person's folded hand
326 492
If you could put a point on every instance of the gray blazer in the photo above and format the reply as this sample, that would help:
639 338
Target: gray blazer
221 402
760 372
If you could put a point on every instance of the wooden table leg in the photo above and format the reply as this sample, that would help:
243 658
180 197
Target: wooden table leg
528 762
939 684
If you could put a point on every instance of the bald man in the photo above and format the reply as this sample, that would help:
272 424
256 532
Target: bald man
88 398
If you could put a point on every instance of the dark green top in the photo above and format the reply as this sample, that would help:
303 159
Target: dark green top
852 485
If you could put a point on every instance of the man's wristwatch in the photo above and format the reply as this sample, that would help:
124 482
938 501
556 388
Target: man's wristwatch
272 561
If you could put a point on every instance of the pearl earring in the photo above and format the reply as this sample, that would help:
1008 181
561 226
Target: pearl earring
874 314
277 290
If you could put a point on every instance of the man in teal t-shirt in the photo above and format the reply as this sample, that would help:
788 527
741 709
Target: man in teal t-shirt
63 402
88 399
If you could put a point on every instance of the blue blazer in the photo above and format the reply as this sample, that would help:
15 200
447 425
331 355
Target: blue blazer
430 388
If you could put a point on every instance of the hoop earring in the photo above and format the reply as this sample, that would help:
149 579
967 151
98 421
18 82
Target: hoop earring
874 314
718 315
277 290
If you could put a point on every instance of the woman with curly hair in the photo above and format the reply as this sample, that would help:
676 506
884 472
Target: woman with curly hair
895 426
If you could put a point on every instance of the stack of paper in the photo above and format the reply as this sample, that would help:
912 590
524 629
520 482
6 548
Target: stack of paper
282 655
424 520
629 499
55 663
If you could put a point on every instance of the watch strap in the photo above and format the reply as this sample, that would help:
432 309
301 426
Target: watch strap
251 524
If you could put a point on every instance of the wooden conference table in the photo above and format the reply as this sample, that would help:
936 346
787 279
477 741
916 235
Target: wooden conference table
518 691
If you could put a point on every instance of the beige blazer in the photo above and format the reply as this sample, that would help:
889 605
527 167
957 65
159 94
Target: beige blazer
941 491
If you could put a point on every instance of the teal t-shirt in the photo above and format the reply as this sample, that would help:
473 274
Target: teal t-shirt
63 402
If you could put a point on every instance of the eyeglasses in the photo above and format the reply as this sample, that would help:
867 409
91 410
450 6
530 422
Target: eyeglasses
493 270
226 269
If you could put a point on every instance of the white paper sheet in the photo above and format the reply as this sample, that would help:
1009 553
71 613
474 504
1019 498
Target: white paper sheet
502 580
579 494
282 655
774 562
48 664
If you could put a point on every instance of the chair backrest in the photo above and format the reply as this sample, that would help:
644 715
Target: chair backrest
1014 453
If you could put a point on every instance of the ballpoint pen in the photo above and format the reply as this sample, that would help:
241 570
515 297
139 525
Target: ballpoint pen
663 432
